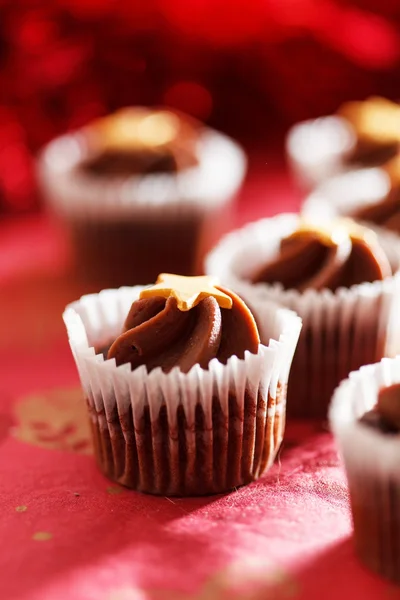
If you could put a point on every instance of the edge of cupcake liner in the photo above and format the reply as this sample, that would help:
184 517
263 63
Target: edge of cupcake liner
255 237
311 168
371 461
85 319
217 177
360 323
339 194
353 397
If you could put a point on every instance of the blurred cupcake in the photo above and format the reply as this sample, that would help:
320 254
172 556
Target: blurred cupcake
139 190
365 418
361 134
368 195
340 278
186 395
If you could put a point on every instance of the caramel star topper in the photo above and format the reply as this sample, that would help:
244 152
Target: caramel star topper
137 127
188 291
357 231
329 233
374 118
334 232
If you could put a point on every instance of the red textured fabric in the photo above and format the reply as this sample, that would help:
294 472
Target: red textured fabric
68 533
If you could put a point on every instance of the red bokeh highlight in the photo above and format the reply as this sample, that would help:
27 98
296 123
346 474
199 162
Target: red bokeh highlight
221 23
190 97
241 65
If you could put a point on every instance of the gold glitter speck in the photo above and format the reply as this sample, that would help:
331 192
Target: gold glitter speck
21 508
54 420
113 490
42 536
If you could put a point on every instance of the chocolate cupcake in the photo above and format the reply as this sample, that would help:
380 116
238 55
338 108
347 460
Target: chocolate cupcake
361 134
340 278
365 418
183 395
138 191
368 195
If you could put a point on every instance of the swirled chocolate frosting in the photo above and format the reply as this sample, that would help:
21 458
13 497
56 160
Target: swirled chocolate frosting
342 256
388 406
157 333
376 125
385 416
140 141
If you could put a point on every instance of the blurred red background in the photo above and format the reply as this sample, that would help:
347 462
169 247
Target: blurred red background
248 67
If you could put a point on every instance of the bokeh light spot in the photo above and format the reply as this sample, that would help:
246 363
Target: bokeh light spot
190 97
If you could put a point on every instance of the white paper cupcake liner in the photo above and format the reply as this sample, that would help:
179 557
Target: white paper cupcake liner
316 149
342 330
203 432
372 462
216 178
344 194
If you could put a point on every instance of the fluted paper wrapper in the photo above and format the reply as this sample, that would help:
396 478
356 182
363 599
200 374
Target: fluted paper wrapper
344 194
317 149
342 330
203 432
163 222
73 192
372 462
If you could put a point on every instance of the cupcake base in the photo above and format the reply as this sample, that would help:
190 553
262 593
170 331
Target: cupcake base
127 229
375 508
168 456
128 252
333 342
371 459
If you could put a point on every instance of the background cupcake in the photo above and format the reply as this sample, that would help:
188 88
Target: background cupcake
190 418
339 281
368 195
360 134
364 417
138 192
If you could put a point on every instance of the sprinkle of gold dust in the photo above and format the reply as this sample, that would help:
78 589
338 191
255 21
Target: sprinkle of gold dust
188 291
113 490
287 586
21 508
55 419
42 536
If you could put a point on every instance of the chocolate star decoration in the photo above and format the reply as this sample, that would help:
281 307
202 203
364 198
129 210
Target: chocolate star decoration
188 291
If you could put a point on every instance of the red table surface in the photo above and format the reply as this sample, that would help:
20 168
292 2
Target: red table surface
68 533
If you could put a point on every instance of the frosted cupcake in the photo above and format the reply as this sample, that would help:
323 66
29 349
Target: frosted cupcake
365 418
361 134
340 278
187 396
367 195
138 191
